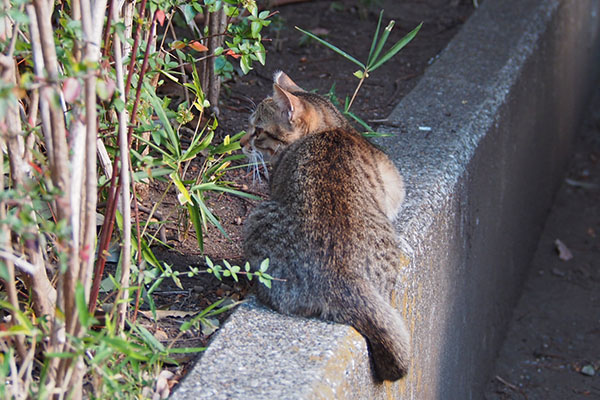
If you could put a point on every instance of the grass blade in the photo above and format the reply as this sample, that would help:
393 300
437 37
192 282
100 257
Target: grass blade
197 223
359 121
375 38
397 47
217 188
207 214
384 38
332 47
162 116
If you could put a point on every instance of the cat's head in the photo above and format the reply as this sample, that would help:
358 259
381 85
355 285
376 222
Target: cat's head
289 114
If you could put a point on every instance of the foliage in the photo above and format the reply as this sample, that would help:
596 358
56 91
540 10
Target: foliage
83 132
375 60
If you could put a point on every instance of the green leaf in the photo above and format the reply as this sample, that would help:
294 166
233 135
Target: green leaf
397 47
245 64
195 217
332 47
151 173
374 42
255 28
380 44
209 215
264 265
184 196
260 54
217 188
194 148
188 12
359 74
264 281
85 318
359 120
162 116
148 338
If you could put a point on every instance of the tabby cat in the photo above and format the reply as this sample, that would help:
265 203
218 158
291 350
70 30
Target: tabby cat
327 228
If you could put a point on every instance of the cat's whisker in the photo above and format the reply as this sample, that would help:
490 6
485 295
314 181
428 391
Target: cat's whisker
265 169
256 159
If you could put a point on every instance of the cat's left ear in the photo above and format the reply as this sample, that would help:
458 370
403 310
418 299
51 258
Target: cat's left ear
285 82
290 105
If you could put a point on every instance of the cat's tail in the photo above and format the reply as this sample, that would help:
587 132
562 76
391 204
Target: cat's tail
383 327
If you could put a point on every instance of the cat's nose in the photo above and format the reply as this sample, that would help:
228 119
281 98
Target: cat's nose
245 140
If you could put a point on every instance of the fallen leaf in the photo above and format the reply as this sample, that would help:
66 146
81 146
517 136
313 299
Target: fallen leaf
160 314
162 383
161 335
209 325
320 31
563 251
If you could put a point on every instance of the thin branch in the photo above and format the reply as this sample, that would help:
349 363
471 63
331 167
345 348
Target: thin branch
136 43
21 263
11 288
38 68
126 198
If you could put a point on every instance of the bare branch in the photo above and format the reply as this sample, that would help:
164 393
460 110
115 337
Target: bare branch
125 183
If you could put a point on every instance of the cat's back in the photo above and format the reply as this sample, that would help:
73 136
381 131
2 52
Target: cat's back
335 174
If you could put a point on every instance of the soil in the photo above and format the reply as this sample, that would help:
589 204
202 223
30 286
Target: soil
552 349
347 24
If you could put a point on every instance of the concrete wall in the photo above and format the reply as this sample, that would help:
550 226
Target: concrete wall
502 102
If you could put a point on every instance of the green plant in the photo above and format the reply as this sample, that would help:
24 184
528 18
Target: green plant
374 60
82 129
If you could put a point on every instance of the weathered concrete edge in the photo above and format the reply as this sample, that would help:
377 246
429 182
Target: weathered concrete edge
501 103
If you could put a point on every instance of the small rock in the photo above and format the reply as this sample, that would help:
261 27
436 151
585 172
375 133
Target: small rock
563 251
558 272
588 370
199 289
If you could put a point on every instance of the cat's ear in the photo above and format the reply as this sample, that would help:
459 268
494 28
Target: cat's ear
291 106
285 82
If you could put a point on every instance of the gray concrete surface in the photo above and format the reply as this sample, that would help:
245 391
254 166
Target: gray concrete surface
482 142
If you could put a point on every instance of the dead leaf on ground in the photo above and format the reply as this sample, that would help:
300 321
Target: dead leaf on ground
320 31
563 251
160 314
161 335
162 383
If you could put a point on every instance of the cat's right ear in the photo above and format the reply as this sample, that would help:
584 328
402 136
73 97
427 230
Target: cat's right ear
291 106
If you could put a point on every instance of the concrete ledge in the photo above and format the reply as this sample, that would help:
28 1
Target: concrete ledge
502 102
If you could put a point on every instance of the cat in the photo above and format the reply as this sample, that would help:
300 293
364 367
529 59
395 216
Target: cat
327 229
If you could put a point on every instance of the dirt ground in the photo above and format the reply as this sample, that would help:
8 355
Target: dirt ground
552 348
347 24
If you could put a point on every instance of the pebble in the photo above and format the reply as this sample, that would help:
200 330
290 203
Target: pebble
588 370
